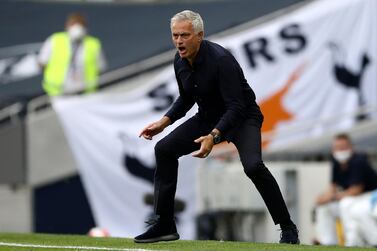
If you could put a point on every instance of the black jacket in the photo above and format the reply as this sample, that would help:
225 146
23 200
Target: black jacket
217 84
358 172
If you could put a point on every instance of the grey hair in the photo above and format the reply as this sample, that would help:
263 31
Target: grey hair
188 15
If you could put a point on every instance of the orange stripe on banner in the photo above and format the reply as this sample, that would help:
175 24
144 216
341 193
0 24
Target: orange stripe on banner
273 108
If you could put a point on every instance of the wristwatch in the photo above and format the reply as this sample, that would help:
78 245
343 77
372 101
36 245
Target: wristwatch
216 138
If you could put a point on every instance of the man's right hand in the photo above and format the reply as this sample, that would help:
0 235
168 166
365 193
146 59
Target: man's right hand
155 128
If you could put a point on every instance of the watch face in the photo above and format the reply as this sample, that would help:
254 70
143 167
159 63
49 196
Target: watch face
216 139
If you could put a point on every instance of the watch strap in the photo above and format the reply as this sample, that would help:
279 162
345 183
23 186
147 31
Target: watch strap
216 137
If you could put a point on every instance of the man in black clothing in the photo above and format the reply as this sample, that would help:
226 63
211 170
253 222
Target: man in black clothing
352 181
208 75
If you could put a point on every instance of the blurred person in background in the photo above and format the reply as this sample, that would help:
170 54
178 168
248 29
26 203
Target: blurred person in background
352 181
71 60
208 75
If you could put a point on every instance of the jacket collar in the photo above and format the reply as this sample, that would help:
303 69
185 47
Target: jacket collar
201 53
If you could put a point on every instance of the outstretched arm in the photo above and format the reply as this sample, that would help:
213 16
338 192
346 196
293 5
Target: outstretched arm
155 128
327 196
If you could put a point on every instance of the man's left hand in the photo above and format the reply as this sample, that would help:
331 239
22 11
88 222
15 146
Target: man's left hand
206 144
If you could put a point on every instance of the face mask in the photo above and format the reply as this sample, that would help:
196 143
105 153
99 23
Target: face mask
76 32
342 156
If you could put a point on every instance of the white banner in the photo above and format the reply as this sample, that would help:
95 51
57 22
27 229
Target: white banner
314 63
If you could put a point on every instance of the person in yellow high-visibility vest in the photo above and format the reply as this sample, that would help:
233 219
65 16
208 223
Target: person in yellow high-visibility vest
71 60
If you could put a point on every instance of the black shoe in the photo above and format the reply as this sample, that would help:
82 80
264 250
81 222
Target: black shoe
159 231
289 235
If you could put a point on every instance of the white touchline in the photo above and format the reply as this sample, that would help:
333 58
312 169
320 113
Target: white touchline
10 244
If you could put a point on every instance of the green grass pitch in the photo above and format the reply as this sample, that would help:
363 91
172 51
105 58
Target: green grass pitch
44 242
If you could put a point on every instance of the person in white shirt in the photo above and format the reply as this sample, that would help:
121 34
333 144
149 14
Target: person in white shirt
71 60
348 198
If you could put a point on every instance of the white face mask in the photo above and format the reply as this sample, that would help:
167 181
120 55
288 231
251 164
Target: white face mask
76 32
342 156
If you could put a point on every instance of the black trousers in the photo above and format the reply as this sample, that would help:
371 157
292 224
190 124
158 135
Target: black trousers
181 142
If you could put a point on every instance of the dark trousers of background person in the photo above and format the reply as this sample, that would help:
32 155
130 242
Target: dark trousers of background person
180 142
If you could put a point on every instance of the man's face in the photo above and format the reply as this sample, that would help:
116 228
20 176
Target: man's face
76 29
186 40
342 150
